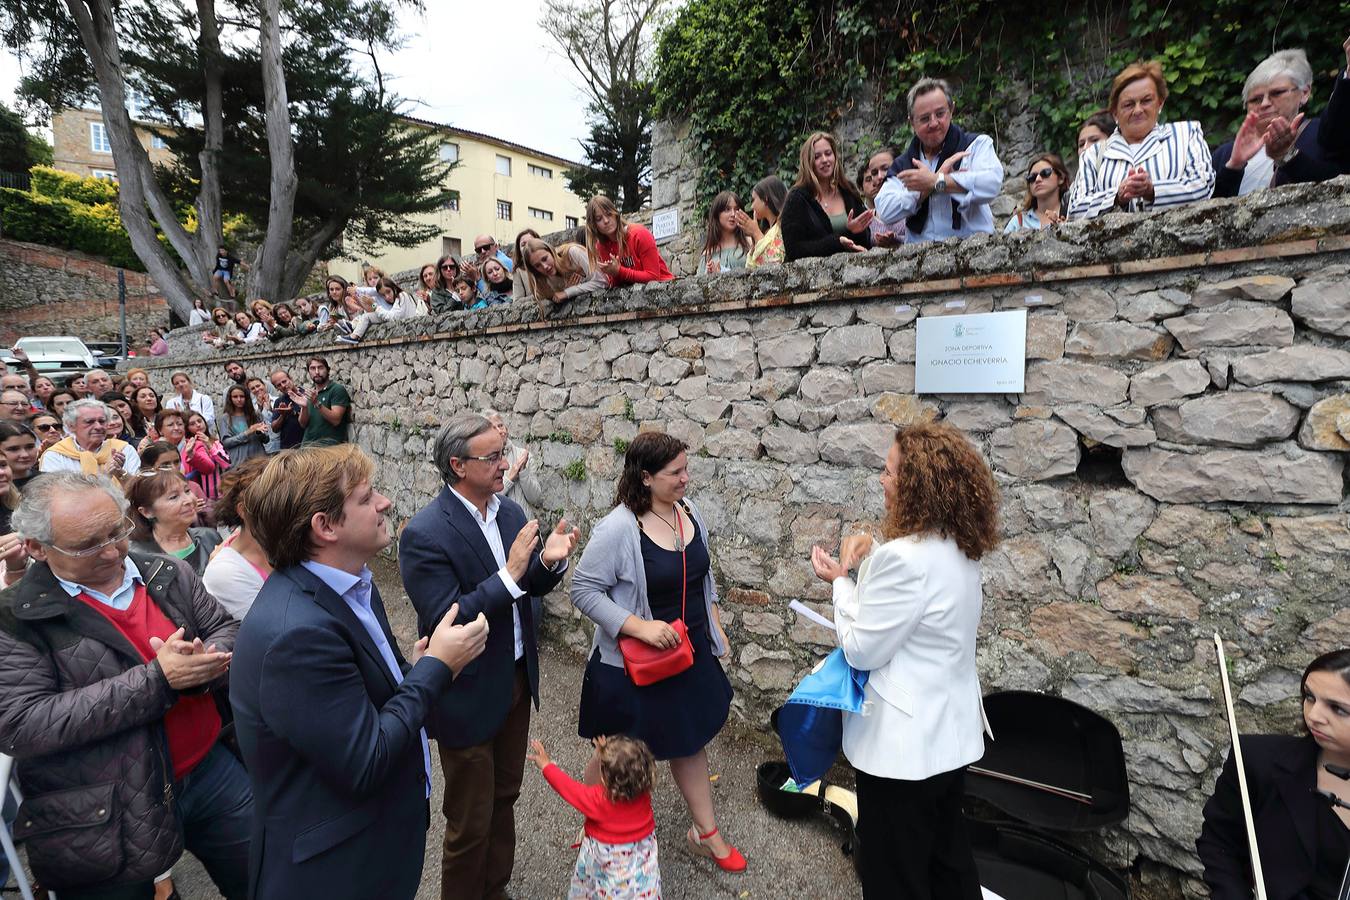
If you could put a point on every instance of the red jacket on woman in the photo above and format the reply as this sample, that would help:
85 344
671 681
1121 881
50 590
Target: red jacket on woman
642 262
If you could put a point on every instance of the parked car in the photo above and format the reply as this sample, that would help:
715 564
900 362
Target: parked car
62 355
108 353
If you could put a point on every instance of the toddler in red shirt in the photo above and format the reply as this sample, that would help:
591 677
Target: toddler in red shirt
618 851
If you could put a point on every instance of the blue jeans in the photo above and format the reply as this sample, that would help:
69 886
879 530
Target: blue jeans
215 809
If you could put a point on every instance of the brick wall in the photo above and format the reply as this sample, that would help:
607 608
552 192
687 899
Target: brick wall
48 291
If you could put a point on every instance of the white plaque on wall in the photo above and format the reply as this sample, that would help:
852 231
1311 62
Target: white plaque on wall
666 223
985 353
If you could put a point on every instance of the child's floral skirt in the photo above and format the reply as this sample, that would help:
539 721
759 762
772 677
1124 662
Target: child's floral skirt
616 871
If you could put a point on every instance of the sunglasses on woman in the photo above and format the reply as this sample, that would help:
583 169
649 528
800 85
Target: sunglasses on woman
50 426
1040 173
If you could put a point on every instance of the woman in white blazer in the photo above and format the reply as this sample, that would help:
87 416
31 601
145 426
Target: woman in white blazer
910 621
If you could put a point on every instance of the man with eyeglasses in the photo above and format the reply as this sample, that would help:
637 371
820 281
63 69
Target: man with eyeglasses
20 383
14 405
473 547
110 664
943 183
485 245
88 448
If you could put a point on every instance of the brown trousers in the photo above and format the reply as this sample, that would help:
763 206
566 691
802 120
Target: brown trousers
482 784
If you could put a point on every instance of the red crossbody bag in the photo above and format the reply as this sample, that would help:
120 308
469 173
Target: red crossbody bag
646 664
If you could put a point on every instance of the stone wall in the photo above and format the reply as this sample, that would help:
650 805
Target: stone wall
48 291
1175 466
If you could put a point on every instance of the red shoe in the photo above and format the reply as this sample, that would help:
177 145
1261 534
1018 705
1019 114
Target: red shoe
732 862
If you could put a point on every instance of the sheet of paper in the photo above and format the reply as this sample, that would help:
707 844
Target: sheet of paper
807 612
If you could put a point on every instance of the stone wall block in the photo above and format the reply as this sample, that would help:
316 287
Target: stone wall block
1045 336
1088 303
1117 341
1092 423
789 445
1284 474
787 351
1169 381
852 344
1142 595
1233 419
1300 363
1239 327
1323 305
1321 429
827 385
1061 628
1151 306
731 358
1035 449
664 369
878 377
732 443
902 409
1069 381
1266 288
978 415
1118 518
859 444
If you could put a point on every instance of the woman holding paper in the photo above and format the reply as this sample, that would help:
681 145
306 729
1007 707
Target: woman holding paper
910 621
1303 838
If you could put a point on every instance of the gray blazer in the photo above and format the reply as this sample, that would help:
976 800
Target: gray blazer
610 583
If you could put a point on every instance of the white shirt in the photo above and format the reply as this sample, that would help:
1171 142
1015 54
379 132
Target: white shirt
55 462
980 173
233 581
198 403
488 525
1258 173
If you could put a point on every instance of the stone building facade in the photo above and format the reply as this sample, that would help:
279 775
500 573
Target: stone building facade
80 143
1175 466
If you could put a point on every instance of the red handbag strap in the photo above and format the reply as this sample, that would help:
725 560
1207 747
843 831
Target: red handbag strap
684 571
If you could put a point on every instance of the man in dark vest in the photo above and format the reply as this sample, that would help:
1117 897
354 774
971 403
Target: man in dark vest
941 186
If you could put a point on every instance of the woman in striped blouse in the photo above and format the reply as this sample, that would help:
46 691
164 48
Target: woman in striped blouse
1143 165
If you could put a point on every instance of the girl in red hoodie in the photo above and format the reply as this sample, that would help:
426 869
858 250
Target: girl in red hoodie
618 851
626 252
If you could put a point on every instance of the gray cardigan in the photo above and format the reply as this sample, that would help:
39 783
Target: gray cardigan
610 583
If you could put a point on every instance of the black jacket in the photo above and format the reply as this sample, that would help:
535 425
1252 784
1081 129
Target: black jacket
1335 133
83 715
1281 776
806 229
1311 164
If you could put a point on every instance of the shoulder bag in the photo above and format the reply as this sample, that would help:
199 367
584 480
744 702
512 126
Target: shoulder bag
646 664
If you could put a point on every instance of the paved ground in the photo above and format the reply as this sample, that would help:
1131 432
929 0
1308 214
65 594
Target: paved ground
787 859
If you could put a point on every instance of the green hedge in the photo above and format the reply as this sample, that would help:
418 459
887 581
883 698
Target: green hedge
51 182
58 221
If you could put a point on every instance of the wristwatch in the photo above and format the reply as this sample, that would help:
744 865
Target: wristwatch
940 186
1288 157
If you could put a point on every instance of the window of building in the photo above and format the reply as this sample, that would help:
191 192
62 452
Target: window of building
449 152
451 202
540 171
570 221
450 247
104 174
157 142
503 166
504 209
98 138
541 214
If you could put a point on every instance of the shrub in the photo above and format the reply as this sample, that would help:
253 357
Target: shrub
575 470
50 182
63 222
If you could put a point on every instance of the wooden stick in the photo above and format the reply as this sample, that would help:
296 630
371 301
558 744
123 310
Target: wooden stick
1241 771
1067 794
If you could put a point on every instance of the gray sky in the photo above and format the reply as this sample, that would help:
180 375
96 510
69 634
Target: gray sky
486 67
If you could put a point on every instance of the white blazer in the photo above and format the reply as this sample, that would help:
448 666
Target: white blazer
911 622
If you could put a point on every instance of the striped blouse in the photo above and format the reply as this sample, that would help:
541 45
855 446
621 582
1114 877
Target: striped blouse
1174 155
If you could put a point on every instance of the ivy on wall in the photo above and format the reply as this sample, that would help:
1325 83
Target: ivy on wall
754 77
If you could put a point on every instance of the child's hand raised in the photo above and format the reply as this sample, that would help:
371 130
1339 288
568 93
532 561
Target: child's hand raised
538 755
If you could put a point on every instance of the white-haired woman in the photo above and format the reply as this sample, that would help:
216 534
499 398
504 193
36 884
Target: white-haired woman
1276 144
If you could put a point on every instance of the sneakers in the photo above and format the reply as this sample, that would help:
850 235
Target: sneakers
348 339
344 326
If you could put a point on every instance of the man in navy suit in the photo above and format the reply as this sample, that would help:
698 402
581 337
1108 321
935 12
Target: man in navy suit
328 713
470 552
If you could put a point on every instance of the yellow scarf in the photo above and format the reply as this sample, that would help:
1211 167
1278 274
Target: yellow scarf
90 463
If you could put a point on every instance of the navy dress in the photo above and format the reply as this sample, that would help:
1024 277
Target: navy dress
678 716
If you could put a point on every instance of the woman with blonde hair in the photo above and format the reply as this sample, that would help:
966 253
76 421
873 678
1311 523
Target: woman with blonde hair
824 214
624 251
559 275
911 621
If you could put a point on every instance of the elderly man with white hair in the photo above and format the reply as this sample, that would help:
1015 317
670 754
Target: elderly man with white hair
1277 143
87 447
98 382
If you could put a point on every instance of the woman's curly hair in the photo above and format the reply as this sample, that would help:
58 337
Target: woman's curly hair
627 768
943 487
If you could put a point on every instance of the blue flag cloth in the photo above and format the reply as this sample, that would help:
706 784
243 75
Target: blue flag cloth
810 723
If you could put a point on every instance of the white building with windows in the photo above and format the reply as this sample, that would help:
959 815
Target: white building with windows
499 187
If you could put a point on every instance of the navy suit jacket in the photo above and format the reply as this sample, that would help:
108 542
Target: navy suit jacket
1281 775
332 746
445 559
1311 164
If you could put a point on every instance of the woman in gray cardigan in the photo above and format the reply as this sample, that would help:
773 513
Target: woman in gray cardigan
645 566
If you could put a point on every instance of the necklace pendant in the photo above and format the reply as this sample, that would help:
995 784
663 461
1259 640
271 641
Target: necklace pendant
679 544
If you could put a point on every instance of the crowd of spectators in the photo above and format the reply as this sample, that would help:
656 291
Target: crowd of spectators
941 185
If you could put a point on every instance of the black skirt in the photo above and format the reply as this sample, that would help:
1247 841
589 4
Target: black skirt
679 716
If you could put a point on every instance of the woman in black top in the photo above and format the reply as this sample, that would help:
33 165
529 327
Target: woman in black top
824 214
1304 840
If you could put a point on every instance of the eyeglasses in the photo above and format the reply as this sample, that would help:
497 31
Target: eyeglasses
49 427
1040 173
1257 99
490 458
450 266
123 532
13 403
